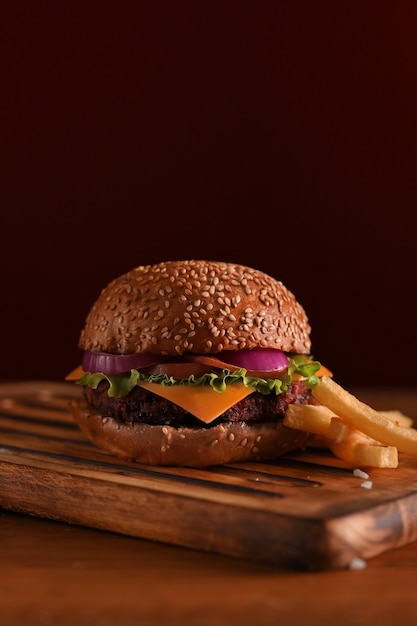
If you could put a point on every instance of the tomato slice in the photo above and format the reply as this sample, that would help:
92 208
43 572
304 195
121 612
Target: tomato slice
179 371
212 362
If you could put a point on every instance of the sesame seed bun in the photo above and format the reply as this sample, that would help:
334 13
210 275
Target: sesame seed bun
230 442
195 306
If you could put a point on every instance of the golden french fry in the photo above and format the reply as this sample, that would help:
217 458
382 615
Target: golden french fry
352 445
398 418
311 418
339 431
363 454
361 416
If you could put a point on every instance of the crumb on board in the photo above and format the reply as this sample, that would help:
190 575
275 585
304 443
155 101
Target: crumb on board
357 563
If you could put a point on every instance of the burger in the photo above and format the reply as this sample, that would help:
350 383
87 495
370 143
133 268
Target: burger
194 363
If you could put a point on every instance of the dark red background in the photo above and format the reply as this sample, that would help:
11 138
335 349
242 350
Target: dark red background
281 135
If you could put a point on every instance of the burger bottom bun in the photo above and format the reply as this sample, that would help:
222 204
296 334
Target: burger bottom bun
189 447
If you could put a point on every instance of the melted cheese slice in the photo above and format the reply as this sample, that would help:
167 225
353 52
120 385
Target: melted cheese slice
203 402
75 374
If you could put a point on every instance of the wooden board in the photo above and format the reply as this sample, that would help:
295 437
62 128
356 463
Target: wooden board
306 510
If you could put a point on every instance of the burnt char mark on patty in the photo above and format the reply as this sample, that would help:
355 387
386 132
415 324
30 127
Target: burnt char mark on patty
144 406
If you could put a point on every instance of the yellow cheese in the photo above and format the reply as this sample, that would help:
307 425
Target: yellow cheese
203 402
75 374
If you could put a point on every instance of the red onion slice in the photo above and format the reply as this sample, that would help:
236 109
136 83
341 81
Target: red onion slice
111 364
256 360
259 361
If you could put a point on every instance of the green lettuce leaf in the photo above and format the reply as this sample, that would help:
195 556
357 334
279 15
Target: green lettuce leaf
121 384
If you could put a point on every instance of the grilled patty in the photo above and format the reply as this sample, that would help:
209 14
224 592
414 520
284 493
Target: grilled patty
143 406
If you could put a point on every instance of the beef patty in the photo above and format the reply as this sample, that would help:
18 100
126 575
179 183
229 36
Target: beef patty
143 406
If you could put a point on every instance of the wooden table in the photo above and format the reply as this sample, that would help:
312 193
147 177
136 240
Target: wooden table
52 573
55 573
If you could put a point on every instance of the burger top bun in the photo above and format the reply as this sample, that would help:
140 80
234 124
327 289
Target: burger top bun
195 306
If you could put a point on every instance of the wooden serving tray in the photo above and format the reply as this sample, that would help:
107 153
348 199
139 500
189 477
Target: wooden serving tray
306 510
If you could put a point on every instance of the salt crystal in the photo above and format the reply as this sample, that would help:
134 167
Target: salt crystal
357 563
360 473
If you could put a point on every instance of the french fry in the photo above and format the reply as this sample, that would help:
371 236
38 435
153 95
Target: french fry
352 430
339 431
321 421
398 418
310 418
352 445
366 419
364 454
